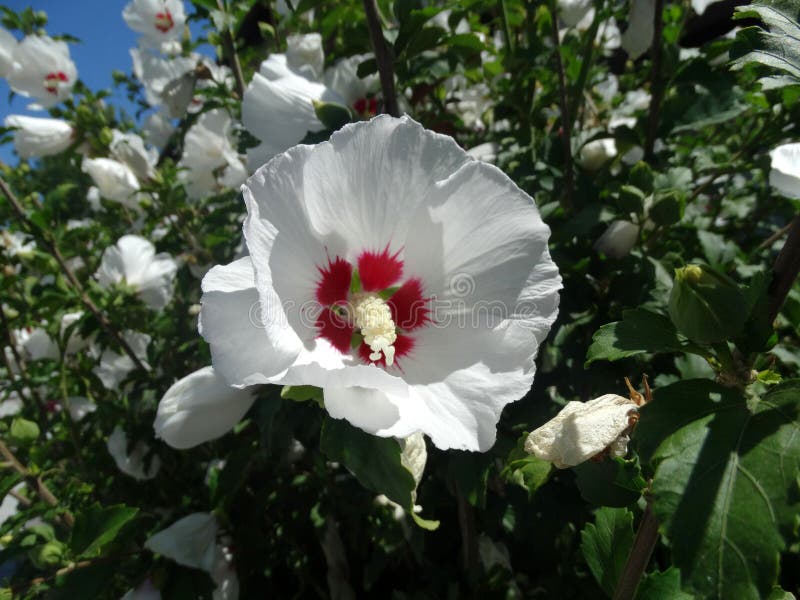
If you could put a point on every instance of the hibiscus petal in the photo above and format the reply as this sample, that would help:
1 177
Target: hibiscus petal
198 408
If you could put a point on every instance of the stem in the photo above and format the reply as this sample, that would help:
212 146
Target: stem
506 27
566 123
656 87
39 486
642 549
383 58
785 270
233 58
469 540
44 238
586 64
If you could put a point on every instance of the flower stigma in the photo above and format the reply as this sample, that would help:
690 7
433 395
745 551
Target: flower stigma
374 318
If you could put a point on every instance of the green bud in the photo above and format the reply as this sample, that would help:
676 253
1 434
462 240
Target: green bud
105 136
47 555
23 432
705 305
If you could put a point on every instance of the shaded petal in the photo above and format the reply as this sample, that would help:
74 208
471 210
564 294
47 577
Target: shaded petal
190 541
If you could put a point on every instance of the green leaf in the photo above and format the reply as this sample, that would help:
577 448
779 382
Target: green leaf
779 47
612 482
471 473
606 543
725 491
23 432
639 331
302 393
97 526
373 460
668 208
664 585
333 115
525 470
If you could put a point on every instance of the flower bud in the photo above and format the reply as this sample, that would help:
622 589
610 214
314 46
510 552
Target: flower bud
597 153
705 305
47 555
106 136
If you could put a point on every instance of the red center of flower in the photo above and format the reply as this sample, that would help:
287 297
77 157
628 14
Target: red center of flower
366 307
164 21
366 107
52 80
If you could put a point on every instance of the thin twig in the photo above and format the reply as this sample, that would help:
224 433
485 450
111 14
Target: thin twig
469 540
586 64
566 123
656 85
785 271
230 50
506 27
775 236
76 285
383 58
642 549
36 484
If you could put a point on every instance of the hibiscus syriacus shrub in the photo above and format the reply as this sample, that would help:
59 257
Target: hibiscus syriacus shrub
403 299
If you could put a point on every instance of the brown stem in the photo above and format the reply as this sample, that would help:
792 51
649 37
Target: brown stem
566 123
656 85
469 540
642 549
233 58
76 285
785 271
35 483
775 237
383 58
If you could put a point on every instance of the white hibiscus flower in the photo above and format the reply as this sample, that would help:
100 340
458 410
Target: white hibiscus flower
43 70
114 367
36 137
8 44
133 260
409 281
133 463
638 37
192 542
129 149
278 105
785 173
209 156
158 129
160 22
167 81
114 180
618 240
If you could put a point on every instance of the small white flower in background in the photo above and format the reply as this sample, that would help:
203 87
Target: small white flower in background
358 93
200 407
114 367
192 542
160 22
785 173
114 180
79 407
43 70
638 37
132 464
583 430
35 343
129 149
167 81
304 51
486 152
37 137
158 129
387 207
209 158
700 6
8 43
10 505
573 12
593 155
133 260
618 239
16 243
11 403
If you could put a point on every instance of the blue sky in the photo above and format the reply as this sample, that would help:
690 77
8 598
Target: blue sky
105 45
